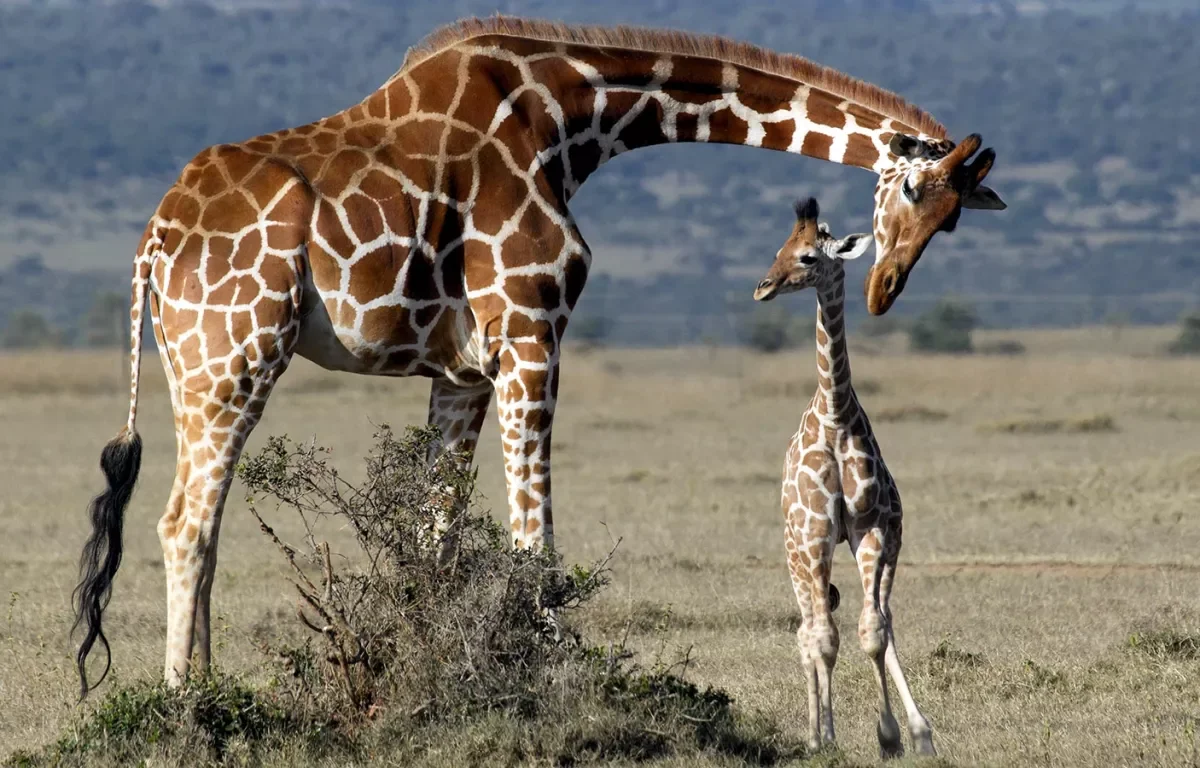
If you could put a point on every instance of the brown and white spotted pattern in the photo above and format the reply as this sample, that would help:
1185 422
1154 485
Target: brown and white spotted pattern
425 231
836 487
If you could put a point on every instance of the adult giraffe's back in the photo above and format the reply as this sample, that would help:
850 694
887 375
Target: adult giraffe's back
425 231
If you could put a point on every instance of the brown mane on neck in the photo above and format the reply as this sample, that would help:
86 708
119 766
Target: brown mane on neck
675 42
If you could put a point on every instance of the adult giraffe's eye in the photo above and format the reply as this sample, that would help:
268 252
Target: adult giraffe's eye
910 194
807 260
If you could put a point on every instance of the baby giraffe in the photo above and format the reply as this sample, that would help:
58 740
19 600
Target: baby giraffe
835 488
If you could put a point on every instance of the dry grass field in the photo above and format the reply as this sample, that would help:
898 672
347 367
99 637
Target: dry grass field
1046 604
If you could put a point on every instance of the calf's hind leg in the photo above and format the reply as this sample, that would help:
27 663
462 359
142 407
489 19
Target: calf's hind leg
873 634
800 586
918 726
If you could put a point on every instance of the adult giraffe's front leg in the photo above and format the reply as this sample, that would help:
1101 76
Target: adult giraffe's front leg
522 296
526 392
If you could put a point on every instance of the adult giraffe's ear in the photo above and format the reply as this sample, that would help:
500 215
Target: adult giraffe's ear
908 147
851 246
983 199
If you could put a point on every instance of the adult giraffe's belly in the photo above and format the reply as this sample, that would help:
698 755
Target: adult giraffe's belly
389 336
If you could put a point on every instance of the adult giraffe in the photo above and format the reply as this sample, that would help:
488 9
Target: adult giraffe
425 231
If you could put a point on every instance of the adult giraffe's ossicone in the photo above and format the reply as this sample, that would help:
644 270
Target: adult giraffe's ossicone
425 231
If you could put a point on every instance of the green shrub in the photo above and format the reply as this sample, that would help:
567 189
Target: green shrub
443 637
946 328
199 722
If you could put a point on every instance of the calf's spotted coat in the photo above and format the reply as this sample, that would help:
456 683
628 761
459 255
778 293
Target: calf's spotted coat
836 487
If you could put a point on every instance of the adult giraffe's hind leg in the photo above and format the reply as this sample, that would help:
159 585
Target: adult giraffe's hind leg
214 418
458 412
222 364
202 644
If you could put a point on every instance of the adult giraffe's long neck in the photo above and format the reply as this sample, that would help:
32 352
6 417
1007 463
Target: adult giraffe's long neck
616 101
834 393
576 105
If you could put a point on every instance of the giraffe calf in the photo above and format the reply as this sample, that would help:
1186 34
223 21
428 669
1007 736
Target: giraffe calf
836 487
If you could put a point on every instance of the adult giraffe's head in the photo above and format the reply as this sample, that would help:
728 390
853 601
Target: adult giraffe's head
919 195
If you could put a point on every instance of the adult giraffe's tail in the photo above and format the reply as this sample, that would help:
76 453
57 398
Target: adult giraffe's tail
119 461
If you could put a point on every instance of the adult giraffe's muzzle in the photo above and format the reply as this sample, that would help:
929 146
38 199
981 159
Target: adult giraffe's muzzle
885 281
766 289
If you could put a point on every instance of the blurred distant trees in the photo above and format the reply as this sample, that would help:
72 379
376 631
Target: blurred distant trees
778 326
1188 341
944 328
591 329
107 322
767 330
29 329
879 326
135 89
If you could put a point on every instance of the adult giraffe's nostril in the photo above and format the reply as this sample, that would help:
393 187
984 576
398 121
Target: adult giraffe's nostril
890 281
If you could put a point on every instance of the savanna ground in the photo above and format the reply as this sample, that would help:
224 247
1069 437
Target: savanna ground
1045 607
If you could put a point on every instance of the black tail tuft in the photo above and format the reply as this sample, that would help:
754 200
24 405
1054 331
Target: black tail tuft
835 598
101 556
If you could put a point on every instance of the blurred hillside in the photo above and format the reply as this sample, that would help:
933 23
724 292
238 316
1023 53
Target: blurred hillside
1092 113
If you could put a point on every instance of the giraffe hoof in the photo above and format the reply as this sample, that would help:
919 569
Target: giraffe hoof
890 744
923 744
822 746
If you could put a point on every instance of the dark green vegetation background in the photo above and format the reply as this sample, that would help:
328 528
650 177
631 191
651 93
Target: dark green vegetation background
1094 116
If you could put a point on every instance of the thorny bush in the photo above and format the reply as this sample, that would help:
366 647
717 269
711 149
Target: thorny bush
442 618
